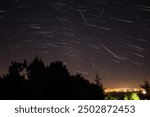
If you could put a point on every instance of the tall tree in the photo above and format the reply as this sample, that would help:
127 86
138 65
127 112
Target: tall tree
100 86
36 70
58 70
14 71
146 86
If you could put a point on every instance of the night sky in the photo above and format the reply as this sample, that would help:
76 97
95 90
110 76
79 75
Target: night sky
111 37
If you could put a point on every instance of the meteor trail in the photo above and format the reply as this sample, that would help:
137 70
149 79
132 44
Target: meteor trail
82 16
111 52
60 20
101 14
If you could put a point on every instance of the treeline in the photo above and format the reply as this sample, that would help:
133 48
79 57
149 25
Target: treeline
38 81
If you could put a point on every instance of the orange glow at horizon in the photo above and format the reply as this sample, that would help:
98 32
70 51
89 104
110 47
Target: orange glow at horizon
108 90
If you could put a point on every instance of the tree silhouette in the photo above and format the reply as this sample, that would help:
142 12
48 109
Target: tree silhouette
47 82
14 71
58 70
98 80
12 82
36 70
146 86
100 85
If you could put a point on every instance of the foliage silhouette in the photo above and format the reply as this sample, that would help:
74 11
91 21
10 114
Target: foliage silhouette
146 86
14 71
99 85
36 70
58 70
131 96
46 82
110 97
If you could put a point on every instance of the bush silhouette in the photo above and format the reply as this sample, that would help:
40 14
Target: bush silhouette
131 96
37 81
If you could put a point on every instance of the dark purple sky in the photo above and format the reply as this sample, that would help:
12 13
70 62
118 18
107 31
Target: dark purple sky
111 37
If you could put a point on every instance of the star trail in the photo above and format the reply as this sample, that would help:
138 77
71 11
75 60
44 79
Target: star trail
109 37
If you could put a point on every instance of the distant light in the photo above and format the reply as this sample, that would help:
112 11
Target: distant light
135 89
144 92
125 90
